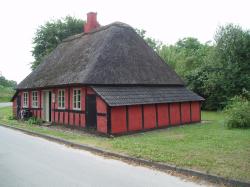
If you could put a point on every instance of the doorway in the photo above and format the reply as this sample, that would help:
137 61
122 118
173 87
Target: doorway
91 111
47 106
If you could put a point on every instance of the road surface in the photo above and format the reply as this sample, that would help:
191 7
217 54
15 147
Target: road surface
5 104
31 161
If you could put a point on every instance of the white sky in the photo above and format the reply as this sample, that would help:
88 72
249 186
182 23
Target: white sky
165 20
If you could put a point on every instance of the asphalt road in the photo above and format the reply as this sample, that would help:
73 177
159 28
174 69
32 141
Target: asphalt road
31 161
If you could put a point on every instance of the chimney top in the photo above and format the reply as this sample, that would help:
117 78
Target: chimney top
92 22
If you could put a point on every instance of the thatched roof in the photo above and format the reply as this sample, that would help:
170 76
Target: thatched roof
119 96
111 55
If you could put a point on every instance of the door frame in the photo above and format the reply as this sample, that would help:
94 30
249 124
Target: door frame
47 104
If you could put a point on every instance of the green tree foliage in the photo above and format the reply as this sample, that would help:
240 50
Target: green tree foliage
186 55
48 36
229 65
7 83
155 44
6 89
216 71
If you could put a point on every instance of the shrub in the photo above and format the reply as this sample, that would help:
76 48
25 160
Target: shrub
237 113
34 121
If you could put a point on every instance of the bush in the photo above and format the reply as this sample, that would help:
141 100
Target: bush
237 113
34 121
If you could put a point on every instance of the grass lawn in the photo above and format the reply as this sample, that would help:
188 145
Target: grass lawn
208 147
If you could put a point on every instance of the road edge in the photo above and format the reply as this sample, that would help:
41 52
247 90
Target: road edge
156 165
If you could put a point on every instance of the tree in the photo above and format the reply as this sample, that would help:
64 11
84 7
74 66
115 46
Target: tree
185 56
229 65
48 36
7 83
155 44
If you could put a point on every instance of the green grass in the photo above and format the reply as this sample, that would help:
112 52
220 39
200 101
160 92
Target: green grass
209 147
6 93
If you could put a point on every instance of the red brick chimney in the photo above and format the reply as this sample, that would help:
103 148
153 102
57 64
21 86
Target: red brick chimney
91 22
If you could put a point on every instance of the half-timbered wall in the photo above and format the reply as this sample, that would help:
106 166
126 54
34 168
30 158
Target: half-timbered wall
114 120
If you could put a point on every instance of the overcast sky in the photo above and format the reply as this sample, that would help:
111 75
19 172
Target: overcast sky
164 20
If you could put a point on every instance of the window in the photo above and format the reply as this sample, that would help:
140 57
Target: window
34 99
77 99
25 99
61 99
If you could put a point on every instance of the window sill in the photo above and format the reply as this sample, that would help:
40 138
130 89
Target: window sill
77 109
61 108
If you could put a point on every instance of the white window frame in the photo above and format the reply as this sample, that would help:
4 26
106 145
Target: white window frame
34 99
76 99
61 99
25 99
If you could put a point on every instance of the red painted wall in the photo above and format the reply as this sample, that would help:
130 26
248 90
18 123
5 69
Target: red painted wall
134 118
175 118
149 116
102 124
101 108
179 113
195 111
185 112
70 118
163 115
118 119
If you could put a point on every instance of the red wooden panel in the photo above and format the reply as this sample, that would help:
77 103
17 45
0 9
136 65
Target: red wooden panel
71 118
100 105
71 98
90 91
134 118
175 118
118 119
82 116
55 91
149 116
21 93
30 100
185 112
83 94
163 115
195 111
56 117
40 101
66 118
61 117
66 95
102 124
77 118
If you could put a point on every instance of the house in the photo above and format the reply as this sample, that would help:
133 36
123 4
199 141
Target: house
107 79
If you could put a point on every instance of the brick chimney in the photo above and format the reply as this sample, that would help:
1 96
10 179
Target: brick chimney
91 22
